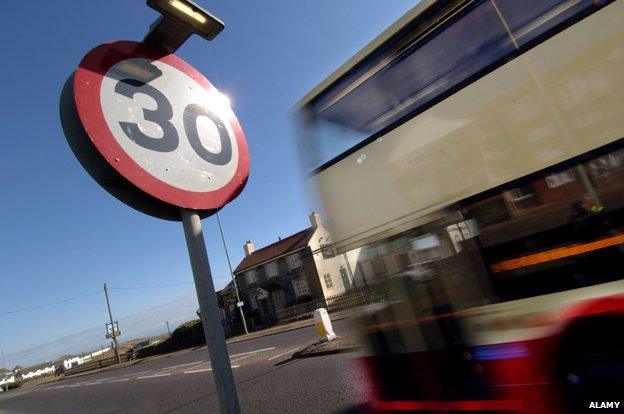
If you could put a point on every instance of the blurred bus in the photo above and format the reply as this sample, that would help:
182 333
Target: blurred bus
471 158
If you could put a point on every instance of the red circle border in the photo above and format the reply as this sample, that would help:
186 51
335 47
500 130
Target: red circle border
87 85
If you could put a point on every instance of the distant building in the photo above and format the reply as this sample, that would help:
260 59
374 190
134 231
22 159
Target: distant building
69 361
6 377
35 371
295 269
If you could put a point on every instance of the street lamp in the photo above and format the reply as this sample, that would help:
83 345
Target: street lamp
238 304
168 331
179 20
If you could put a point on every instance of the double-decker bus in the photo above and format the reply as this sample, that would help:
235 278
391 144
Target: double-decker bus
471 158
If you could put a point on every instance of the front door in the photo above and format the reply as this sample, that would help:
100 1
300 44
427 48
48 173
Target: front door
264 304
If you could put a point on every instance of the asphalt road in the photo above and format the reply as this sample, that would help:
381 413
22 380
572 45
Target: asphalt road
268 381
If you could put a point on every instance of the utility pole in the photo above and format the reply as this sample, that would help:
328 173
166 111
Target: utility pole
110 315
240 308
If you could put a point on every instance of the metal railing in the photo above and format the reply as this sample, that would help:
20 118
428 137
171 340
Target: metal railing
343 301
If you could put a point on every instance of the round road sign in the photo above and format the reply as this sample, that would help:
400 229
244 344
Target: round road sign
161 125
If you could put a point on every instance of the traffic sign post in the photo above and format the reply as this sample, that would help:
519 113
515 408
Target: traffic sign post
155 133
211 319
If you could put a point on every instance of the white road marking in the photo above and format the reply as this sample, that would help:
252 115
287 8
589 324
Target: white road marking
91 383
104 379
57 387
198 370
138 373
120 380
287 352
252 352
205 370
182 365
155 376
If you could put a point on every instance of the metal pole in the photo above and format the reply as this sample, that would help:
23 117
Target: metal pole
211 320
168 331
346 258
110 315
240 308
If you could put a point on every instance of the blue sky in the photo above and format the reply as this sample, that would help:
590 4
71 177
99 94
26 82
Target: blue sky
63 236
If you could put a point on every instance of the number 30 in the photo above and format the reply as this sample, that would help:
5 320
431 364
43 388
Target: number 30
162 116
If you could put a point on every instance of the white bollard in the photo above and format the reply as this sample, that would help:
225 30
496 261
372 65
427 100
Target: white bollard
323 325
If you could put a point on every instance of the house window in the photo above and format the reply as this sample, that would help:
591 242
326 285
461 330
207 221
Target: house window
250 276
521 193
555 180
301 287
329 283
294 261
271 269
522 198
328 251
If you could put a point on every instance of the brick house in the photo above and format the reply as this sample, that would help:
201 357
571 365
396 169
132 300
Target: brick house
294 269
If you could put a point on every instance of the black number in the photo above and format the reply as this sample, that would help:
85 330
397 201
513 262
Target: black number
191 113
161 116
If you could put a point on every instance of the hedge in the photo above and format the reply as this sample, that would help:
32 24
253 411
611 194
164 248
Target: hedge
187 335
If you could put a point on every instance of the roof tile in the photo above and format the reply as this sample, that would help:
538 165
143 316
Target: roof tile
279 248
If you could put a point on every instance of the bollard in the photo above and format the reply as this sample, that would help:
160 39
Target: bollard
323 325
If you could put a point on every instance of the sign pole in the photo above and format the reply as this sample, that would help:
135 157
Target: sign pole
207 298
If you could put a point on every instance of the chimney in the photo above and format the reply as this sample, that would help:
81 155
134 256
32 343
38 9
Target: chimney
248 247
315 220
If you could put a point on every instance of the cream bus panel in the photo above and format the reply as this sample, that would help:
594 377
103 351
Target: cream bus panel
558 100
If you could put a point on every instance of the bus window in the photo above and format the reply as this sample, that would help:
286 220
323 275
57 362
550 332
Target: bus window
420 75
560 231
404 79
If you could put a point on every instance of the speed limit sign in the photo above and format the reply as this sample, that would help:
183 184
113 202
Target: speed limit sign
155 133
158 126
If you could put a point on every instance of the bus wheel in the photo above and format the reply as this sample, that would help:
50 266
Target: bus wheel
590 366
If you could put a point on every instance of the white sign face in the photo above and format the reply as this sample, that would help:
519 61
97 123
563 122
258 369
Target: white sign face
155 124
109 330
161 125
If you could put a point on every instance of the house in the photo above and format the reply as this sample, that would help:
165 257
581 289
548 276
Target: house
6 377
226 300
69 361
46 368
295 269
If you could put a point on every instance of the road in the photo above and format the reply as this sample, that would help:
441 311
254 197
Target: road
268 381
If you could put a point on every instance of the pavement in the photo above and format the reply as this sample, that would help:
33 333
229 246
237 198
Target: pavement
269 380
337 316
349 342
